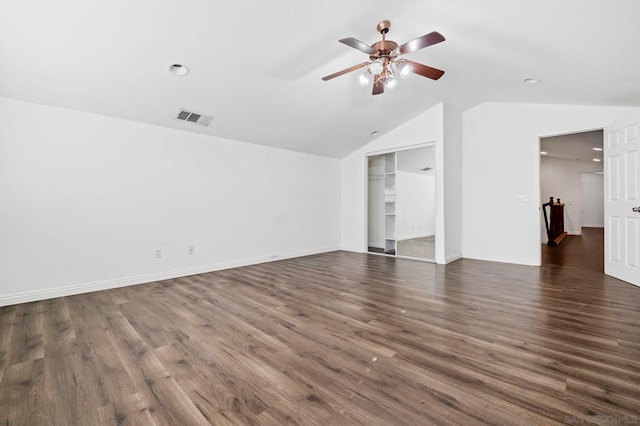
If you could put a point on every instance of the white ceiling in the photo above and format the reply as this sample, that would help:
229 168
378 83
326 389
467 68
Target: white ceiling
256 66
575 146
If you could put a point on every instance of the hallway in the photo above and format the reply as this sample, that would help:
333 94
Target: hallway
584 251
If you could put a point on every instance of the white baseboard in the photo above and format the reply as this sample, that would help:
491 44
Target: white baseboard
377 245
453 257
354 250
32 296
500 260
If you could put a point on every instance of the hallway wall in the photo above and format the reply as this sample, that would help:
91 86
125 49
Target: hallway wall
560 178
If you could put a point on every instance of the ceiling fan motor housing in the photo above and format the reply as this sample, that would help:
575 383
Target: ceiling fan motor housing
384 48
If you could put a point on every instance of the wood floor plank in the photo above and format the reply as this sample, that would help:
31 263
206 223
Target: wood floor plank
57 323
27 342
23 396
7 328
337 338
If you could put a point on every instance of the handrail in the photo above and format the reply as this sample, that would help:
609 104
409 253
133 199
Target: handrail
554 223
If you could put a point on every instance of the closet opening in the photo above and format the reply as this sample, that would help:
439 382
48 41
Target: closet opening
401 208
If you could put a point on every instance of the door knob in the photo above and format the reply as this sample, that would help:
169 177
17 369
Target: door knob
636 209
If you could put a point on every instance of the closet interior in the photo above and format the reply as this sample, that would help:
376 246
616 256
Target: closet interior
401 203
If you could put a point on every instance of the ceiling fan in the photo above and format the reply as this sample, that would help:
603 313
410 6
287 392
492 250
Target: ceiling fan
385 64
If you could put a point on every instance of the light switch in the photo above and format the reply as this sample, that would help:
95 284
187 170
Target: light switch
524 198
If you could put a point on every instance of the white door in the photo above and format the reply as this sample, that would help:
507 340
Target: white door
622 200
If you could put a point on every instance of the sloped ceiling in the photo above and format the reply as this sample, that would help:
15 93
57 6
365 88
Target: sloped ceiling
256 66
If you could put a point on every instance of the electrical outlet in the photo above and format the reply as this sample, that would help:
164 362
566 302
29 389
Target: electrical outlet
158 254
192 250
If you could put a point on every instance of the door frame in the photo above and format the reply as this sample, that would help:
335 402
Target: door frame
374 153
538 191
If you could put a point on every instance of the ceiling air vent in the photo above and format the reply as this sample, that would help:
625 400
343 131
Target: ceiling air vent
192 117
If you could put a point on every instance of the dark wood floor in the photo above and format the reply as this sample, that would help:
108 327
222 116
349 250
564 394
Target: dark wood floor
585 252
337 338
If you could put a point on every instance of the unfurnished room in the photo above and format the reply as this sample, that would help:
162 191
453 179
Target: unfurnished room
333 213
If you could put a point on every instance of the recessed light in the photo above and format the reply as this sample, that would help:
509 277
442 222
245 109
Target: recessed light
532 80
178 70
375 132
597 160
543 152
597 149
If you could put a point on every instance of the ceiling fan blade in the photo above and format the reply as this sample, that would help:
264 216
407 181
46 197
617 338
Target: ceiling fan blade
345 71
378 85
423 70
421 42
357 44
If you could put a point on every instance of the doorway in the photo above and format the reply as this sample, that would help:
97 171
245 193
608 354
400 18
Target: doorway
571 170
401 213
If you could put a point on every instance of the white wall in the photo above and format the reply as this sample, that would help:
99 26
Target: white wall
85 200
500 161
593 200
452 182
427 127
415 205
560 178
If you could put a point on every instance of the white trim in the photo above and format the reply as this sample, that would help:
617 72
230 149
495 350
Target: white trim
351 250
537 195
376 245
32 296
571 132
402 148
538 182
365 243
453 257
501 260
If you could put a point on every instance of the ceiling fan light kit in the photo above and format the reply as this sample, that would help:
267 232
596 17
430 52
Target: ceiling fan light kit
404 69
365 77
376 66
385 64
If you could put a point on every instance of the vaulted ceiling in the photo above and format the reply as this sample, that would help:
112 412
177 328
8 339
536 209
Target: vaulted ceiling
257 66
